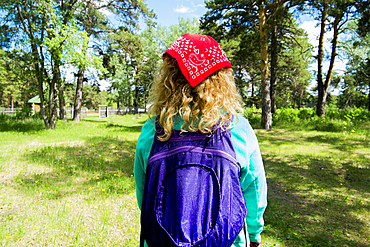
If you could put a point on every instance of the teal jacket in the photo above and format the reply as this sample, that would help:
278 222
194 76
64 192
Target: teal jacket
253 180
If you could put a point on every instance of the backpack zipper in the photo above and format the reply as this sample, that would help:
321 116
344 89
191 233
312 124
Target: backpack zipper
211 151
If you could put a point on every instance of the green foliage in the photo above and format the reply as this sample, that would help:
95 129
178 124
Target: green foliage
24 113
336 120
166 36
253 115
356 79
20 125
288 115
306 113
355 115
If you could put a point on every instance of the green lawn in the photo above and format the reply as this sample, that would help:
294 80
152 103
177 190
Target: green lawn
74 186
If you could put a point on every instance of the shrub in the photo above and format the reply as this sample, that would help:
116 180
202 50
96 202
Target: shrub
23 113
3 117
306 113
253 115
285 115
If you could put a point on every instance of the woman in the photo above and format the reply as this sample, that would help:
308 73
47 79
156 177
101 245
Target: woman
194 92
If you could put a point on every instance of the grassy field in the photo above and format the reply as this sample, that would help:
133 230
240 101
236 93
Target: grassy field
74 186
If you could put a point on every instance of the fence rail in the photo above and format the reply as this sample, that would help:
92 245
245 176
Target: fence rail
69 112
9 111
107 111
104 111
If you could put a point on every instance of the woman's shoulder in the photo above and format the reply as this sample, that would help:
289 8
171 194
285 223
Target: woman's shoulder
147 131
241 124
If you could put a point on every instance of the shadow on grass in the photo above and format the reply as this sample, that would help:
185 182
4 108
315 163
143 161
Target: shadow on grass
124 128
29 125
94 165
312 201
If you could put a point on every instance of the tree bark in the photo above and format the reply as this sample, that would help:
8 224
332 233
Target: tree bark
53 102
62 104
368 98
321 100
266 119
136 103
274 61
300 98
78 98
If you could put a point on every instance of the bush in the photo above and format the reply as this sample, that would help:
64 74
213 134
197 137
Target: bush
357 115
285 115
23 113
3 117
306 113
253 115
21 125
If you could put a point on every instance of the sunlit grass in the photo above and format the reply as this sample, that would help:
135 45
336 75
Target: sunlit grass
74 186
70 186
318 182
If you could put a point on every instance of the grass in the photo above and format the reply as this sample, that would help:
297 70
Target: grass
74 186
319 193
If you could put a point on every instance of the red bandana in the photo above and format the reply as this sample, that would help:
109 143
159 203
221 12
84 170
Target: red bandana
198 56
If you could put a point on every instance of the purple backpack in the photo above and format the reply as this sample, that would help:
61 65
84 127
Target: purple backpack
192 194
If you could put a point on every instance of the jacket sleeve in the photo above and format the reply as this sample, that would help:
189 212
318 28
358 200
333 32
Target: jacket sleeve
143 148
253 179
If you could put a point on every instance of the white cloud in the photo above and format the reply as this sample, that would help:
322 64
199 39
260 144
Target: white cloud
182 9
312 30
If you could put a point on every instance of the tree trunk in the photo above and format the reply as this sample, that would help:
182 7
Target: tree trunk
53 103
136 103
41 95
274 61
62 105
78 98
368 98
300 98
266 119
252 92
321 99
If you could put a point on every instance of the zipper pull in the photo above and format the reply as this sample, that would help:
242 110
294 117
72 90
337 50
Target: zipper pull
208 138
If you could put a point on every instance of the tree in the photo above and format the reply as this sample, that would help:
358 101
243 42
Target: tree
97 25
356 49
44 28
290 53
132 59
166 36
363 8
236 17
292 75
333 16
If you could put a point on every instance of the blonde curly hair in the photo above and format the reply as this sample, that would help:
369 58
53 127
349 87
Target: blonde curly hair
212 102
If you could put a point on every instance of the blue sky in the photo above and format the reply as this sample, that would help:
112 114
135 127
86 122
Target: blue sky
168 12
